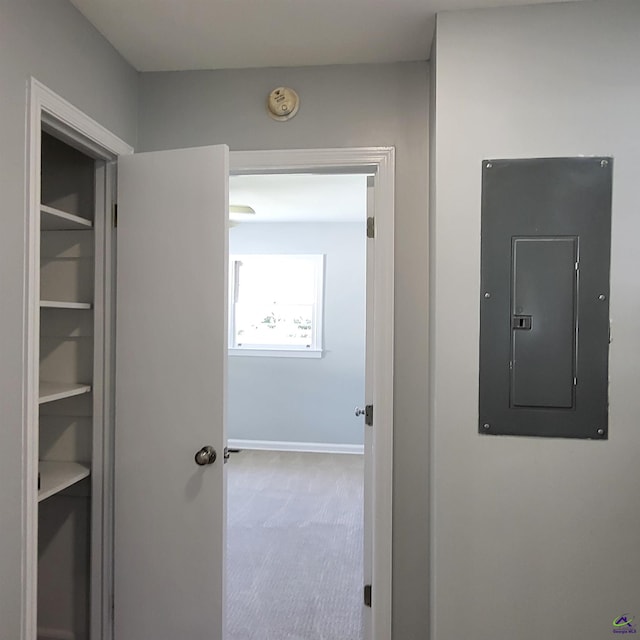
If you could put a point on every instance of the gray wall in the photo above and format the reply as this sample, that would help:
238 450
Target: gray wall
342 106
307 399
534 538
50 40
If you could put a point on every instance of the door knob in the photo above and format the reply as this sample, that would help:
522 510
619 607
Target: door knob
206 455
359 412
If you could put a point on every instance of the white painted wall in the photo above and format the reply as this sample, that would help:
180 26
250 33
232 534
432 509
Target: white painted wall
533 538
342 106
50 40
307 399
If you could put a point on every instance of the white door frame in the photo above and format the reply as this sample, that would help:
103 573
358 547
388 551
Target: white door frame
71 124
381 162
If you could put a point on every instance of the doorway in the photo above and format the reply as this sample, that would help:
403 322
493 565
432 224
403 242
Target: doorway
377 163
297 326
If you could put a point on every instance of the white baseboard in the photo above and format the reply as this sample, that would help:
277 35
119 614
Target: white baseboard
55 634
303 447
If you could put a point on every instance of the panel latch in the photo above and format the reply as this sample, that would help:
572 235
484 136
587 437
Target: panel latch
521 322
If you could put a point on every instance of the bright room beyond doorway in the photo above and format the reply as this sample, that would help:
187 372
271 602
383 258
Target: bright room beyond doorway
297 311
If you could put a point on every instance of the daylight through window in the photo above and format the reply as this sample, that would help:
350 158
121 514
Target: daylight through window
276 303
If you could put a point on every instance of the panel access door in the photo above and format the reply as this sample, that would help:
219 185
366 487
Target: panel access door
544 306
170 395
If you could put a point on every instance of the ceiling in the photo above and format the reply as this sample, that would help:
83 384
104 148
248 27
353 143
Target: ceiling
300 198
175 35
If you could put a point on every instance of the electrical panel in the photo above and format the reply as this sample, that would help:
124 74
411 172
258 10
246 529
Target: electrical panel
544 299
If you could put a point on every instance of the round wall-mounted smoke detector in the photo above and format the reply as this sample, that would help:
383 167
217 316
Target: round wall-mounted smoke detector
282 104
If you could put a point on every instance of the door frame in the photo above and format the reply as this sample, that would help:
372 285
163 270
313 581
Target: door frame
379 161
45 107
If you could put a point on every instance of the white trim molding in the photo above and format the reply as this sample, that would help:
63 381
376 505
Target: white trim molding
47 110
299 447
379 161
52 109
275 353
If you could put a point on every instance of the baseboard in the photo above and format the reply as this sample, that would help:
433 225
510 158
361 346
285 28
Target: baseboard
302 447
55 634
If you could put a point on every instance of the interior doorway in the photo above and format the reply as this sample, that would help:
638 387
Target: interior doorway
378 164
297 327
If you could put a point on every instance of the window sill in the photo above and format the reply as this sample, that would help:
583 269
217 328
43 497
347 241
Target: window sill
276 353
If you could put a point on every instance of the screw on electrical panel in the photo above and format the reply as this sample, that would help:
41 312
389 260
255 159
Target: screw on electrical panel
489 165
487 295
604 163
600 432
486 425
602 297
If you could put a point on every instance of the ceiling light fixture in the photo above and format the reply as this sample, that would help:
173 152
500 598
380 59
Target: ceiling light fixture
241 209
238 213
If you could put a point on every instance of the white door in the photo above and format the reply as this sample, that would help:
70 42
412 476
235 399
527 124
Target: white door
368 431
170 395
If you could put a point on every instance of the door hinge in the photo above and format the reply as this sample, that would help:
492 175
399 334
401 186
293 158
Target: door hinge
114 216
368 415
367 595
371 227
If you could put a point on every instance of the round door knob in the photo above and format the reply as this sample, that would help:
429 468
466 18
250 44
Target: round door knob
206 455
359 411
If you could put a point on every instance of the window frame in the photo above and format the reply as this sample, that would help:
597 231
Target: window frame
316 348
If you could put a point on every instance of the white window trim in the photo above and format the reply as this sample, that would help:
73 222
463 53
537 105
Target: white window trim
276 353
278 350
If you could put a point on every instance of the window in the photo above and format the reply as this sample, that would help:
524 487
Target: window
276 305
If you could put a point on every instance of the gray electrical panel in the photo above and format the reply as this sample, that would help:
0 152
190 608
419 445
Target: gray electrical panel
544 305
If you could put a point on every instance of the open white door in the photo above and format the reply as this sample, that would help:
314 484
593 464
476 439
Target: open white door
368 430
170 395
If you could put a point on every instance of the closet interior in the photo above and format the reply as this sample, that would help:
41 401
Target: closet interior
70 414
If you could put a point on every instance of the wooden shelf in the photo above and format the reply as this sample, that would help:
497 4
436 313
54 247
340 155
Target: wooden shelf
58 304
56 220
51 391
57 476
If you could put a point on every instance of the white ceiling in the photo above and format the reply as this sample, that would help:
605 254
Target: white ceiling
165 35
300 198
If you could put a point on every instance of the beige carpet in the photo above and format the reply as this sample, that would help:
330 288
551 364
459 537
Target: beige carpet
294 546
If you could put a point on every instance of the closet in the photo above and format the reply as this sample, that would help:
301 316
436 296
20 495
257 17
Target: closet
70 411
124 525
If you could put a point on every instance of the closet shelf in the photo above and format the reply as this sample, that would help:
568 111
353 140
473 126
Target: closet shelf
57 476
56 220
58 304
51 391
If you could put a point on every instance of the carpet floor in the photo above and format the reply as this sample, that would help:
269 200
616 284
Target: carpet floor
294 546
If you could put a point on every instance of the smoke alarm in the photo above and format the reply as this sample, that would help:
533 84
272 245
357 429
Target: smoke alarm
282 104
